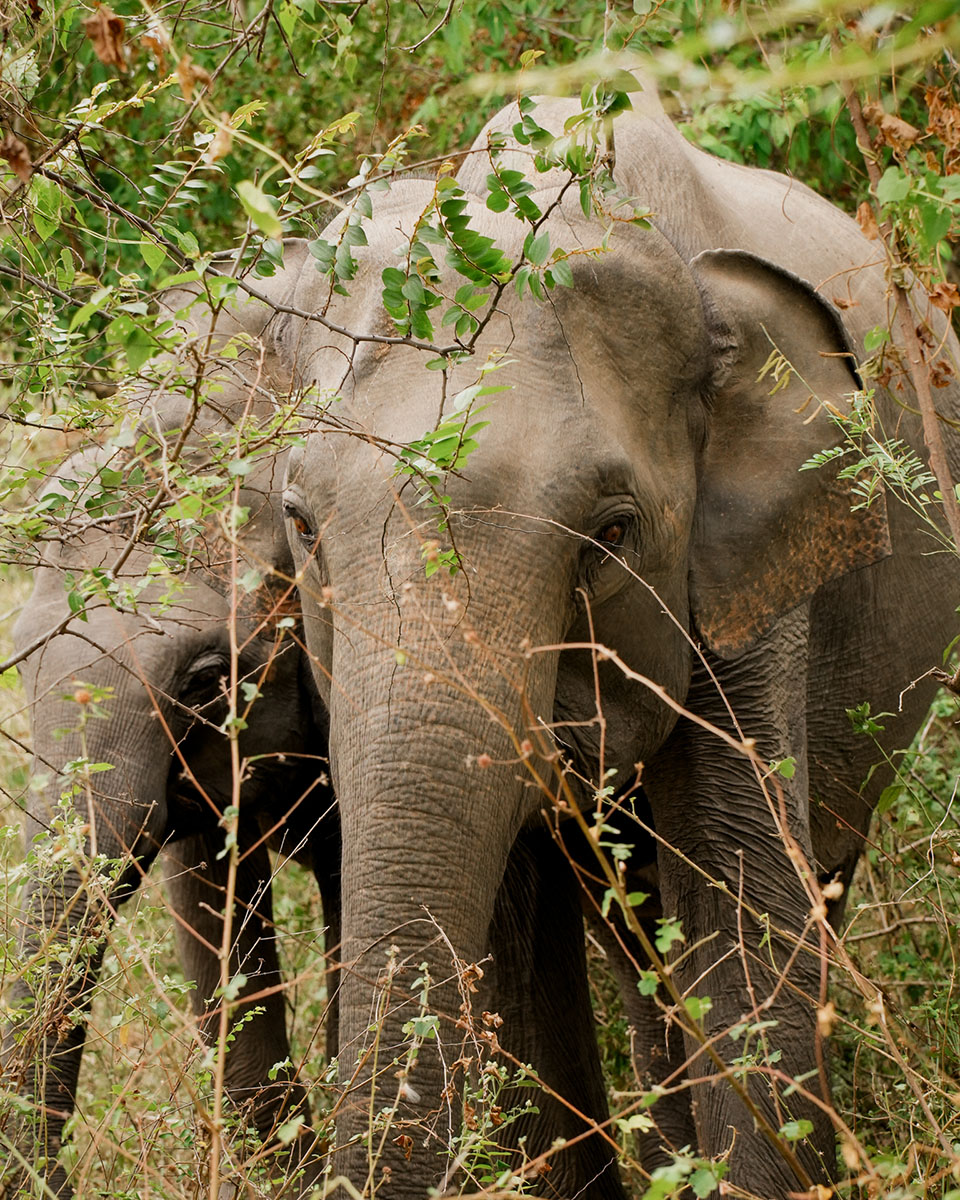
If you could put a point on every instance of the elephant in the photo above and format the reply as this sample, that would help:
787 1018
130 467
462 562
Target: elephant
647 584
158 667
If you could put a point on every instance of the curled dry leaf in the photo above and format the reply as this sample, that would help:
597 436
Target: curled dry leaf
826 1019
190 74
941 373
156 42
405 1142
17 155
850 1154
946 297
105 31
944 120
471 976
222 142
867 221
897 133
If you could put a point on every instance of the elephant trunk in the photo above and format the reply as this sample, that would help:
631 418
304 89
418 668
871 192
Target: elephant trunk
432 793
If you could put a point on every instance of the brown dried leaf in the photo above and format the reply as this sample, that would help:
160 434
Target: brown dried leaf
946 297
866 219
897 133
470 976
944 121
156 46
221 144
405 1142
105 30
189 74
17 155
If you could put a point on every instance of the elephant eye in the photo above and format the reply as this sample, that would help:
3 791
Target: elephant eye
204 680
613 534
300 523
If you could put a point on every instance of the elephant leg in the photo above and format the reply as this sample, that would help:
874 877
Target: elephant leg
658 1050
657 1047
733 876
539 988
196 884
65 919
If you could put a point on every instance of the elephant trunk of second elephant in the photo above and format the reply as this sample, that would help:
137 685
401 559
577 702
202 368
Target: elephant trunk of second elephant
432 796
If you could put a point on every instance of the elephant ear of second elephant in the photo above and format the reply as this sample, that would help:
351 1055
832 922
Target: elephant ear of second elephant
769 534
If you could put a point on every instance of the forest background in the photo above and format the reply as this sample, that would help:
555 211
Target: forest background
141 139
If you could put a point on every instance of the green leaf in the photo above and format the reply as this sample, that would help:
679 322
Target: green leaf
562 272
638 1120
668 933
796 1131
786 767
888 797
138 348
323 251
893 186
647 983
876 337
935 222
705 1180
697 1006
233 988
423 1027
288 14
152 253
538 248
289 1130
260 208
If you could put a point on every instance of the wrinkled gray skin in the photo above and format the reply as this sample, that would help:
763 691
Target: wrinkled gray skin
635 402
173 775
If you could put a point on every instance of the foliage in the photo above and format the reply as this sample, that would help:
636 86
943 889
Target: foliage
157 148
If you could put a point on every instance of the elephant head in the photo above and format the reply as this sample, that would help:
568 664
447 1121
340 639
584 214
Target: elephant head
633 514
186 693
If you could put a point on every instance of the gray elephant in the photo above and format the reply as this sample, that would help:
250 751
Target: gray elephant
638 490
159 671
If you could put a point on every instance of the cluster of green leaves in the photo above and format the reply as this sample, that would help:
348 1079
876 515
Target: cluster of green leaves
923 204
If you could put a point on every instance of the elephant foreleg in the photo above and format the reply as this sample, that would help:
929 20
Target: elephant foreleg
540 989
65 919
733 864
259 1047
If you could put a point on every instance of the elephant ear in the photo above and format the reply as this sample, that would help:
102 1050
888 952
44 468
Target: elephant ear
768 534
